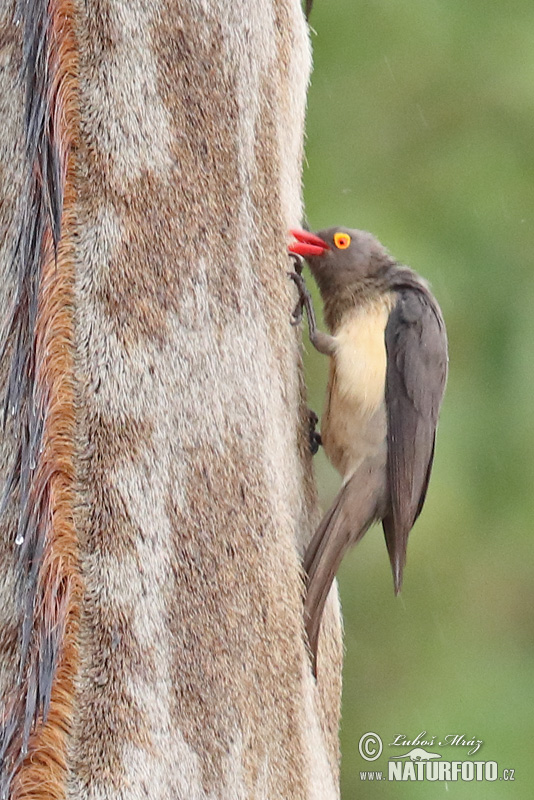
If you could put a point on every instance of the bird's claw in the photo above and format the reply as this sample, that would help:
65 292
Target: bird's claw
304 300
297 314
315 438
298 262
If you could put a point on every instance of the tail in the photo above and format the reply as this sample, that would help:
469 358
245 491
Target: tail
397 544
352 513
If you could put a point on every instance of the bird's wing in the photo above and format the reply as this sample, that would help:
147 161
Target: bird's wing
416 345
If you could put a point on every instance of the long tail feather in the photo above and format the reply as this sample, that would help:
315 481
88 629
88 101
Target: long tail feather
352 512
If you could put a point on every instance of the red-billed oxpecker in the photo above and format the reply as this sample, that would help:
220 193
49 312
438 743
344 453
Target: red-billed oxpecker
388 367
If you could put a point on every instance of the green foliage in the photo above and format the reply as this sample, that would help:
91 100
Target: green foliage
421 130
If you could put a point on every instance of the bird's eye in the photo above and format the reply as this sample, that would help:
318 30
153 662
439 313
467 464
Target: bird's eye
341 240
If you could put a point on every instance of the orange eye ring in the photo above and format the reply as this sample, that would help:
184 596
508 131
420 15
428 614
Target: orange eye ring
341 240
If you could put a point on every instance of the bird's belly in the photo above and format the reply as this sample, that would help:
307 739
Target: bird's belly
354 425
350 434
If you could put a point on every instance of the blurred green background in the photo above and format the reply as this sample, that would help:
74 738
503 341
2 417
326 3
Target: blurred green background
421 130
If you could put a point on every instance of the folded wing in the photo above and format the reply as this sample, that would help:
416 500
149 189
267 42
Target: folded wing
416 345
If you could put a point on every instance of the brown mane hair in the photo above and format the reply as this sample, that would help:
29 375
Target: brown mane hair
39 404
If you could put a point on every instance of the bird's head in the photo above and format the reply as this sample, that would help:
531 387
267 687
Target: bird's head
341 257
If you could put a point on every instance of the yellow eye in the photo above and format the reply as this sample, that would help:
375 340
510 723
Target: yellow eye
341 240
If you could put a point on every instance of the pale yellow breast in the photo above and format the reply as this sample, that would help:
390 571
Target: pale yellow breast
354 421
360 358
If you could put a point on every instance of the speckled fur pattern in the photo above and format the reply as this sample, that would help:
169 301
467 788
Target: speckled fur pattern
193 496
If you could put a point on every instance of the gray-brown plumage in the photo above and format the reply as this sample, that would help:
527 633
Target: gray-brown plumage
388 368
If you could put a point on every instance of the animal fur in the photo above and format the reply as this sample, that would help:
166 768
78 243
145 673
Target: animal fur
156 462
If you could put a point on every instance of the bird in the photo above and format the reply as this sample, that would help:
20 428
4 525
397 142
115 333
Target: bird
387 345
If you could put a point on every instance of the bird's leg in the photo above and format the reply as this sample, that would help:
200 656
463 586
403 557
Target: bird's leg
322 342
296 276
315 437
305 301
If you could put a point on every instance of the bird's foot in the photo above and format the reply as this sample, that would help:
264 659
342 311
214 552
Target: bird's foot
298 262
315 437
304 301
297 313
